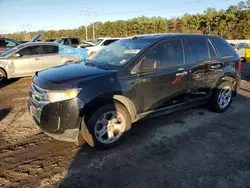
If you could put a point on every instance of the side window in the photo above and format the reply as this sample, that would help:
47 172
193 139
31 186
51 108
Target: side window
246 45
211 50
74 41
10 43
196 49
65 41
240 46
32 50
223 48
2 43
108 42
50 49
169 53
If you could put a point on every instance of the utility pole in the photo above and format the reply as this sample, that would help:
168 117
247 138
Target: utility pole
26 29
87 12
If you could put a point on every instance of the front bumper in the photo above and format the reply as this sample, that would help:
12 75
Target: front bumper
60 120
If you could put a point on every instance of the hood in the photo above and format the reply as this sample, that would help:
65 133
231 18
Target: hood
67 76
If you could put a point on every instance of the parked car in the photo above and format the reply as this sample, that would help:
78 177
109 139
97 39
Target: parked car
85 44
7 43
99 44
70 41
132 79
240 48
26 59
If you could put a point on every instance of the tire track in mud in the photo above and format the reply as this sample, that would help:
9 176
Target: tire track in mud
27 163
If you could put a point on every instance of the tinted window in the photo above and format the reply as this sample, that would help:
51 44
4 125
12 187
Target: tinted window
2 43
108 42
211 50
196 49
168 53
74 41
50 49
10 43
65 41
223 48
32 50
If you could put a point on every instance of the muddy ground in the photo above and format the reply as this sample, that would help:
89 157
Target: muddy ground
194 148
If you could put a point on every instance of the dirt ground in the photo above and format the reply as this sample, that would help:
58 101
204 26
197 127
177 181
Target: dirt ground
193 148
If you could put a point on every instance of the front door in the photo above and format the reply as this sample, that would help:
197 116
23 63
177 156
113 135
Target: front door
28 62
159 87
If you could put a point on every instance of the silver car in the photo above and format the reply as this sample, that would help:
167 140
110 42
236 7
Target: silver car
25 59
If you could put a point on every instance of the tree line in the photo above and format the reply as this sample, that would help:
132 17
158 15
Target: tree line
232 23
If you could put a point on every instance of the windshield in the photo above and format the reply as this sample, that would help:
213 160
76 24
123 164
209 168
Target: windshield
97 41
11 50
120 52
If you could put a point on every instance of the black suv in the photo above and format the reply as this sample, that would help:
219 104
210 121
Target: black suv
133 79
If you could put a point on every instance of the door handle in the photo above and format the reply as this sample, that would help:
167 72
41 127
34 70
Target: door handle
215 66
182 73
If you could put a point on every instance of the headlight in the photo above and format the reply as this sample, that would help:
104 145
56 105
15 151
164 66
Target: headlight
54 96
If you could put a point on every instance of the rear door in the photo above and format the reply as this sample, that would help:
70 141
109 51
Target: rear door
160 87
202 63
29 62
50 56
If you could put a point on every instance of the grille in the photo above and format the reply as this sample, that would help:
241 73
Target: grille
37 95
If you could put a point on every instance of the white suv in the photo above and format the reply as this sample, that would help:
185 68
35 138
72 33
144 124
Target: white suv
99 44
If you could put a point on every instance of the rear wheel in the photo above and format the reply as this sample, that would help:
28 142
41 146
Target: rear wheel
109 125
2 76
222 97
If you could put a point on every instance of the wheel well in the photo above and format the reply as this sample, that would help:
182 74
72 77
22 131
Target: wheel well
4 71
100 101
230 79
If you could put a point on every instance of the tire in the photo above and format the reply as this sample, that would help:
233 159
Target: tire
3 76
102 116
222 97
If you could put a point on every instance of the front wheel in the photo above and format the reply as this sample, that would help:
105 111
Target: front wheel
222 97
109 125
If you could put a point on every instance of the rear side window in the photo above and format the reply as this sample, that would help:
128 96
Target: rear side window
50 49
224 49
74 41
196 49
169 53
32 50
108 42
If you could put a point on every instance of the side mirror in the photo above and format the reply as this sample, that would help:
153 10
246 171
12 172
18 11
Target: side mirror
18 55
149 64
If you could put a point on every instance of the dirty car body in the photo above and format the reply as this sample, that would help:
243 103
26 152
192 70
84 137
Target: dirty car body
61 98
